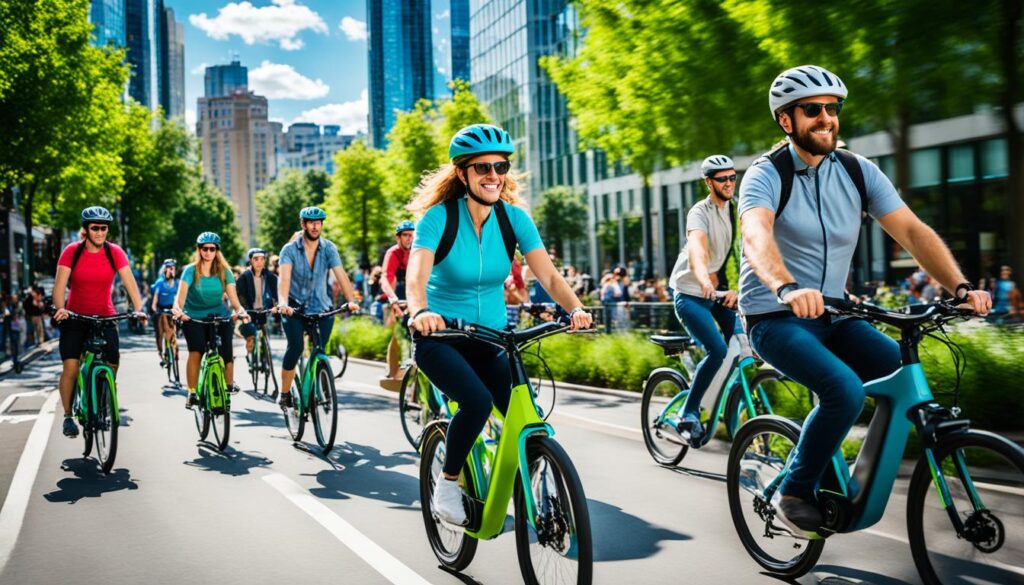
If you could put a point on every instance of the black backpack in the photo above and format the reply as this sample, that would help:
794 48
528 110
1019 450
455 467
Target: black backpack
81 249
782 160
451 229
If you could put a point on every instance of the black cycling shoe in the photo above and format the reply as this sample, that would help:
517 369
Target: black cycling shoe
193 400
802 516
233 388
70 428
286 400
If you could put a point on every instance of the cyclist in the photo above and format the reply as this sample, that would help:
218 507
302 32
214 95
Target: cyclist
201 292
470 286
392 286
306 262
709 233
88 268
790 262
257 288
164 290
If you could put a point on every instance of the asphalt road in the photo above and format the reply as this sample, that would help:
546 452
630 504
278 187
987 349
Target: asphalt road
175 510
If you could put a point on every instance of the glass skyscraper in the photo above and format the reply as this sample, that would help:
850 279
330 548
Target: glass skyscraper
221 80
107 17
401 61
172 57
143 26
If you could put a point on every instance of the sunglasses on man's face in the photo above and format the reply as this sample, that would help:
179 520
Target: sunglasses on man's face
813 109
97 228
484 168
208 248
722 180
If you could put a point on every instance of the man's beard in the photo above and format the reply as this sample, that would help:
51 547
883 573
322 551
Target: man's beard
309 236
718 193
807 142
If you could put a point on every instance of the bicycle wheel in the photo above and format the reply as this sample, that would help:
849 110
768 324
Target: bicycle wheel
413 414
268 367
294 418
220 417
176 380
543 389
169 362
662 440
324 406
759 452
201 414
451 545
342 354
736 413
105 424
985 476
557 546
253 359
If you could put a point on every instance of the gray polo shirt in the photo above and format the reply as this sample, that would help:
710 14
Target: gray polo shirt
309 284
818 231
717 224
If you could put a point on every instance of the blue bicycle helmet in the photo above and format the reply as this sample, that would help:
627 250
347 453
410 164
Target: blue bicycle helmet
255 251
312 213
96 214
170 262
404 226
208 238
480 139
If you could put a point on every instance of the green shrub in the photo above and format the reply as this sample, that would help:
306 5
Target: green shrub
362 337
620 360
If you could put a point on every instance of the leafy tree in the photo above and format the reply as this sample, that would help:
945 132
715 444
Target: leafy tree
278 205
462 110
360 214
202 208
412 150
561 217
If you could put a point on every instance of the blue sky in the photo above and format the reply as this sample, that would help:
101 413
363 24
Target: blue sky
308 57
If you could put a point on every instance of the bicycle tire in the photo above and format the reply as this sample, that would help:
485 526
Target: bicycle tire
252 359
295 421
177 373
324 406
570 537
735 409
926 536
76 408
268 367
220 419
748 433
410 412
105 423
201 414
461 548
665 452
342 354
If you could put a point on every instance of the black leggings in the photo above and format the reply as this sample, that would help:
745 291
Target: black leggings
197 334
474 374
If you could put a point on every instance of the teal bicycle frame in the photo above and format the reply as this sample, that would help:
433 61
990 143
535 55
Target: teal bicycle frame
84 402
305 397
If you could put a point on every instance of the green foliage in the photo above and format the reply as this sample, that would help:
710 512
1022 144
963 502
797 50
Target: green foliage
561 217
621 360
279 203
359 212
203 208
412 150
464 109
362 337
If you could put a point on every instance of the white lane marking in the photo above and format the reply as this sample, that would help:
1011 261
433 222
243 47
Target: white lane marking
994 563
16 418
391 568
10 399
13 512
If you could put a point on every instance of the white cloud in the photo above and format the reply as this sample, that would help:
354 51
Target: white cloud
279 81
190 120
351 116
443 15
280 22
199 69
355 30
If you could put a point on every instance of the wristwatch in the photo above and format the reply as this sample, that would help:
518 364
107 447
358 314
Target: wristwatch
963 286
780 292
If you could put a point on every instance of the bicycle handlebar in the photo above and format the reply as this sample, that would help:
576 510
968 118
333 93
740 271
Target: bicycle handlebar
299 313
910 315
101 318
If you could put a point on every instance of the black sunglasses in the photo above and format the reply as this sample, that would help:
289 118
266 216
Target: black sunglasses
731 177
208 248
98 228
484 168
812 109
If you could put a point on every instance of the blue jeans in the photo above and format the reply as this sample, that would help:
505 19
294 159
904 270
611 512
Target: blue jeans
700 317
833 358
293 330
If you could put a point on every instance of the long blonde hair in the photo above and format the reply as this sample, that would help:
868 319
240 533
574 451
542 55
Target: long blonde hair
444 184
220 266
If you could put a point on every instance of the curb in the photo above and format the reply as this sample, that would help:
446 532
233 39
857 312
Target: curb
635 396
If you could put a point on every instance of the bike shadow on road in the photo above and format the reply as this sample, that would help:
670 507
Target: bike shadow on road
170 390
89 482
366 402
594 400
979 572
364 471
257 418
619 536
233 463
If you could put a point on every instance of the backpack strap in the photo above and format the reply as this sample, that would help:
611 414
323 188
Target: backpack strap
723 280
853 168
81 248
507 233
110 256
783 163
451 229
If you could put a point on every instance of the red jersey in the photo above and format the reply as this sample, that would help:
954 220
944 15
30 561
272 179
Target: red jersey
92 280
396 261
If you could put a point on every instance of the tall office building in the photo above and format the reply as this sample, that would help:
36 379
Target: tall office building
400 59
143 25
450 38
220 80
460 39
507 40
306 147
172 56
107 17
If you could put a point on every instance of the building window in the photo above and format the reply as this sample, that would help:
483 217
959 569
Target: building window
994 163
925 168
961 163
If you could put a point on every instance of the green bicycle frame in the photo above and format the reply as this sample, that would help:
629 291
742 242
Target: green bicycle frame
307 371
211 370
87 375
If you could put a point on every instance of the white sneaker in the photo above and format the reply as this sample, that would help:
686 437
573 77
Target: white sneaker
447 502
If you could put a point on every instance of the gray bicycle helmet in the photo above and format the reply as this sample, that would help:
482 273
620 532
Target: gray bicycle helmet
96 214
254 252
715 163
802 82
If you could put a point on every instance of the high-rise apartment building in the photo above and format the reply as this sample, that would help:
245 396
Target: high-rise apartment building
172 56
143 26
400 59
307 147
107 17
220 80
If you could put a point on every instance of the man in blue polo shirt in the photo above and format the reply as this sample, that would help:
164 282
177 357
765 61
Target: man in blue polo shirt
792 261
302 282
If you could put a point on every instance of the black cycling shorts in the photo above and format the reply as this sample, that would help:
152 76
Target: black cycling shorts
196 335
74 334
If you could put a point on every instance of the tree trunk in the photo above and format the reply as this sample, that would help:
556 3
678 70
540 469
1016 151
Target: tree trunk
1008 42
648 229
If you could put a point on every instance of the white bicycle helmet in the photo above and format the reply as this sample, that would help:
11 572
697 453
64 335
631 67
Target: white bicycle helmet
715 163
802 82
